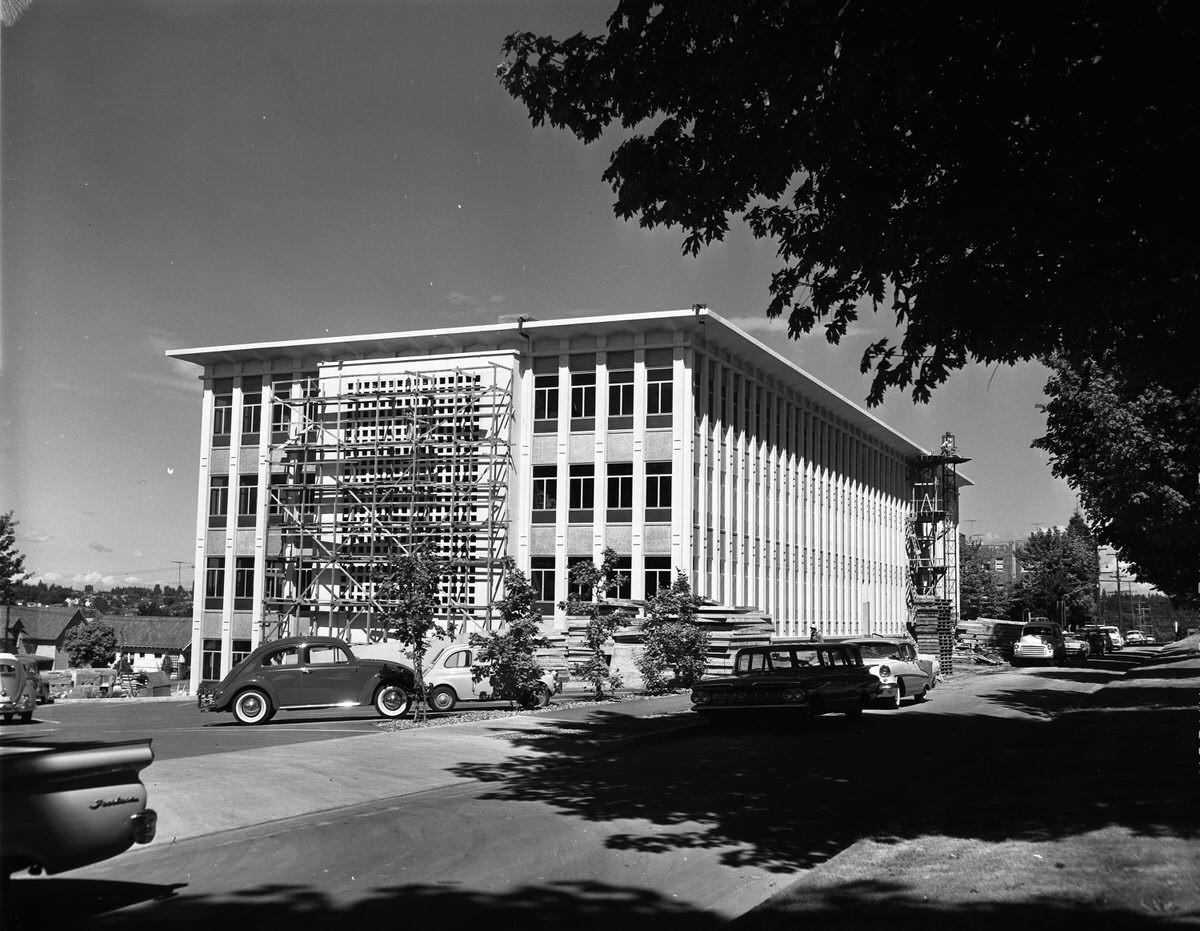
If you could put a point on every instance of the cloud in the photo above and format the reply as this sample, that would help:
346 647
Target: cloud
34 536
47 577
99 547
137 554
490 305
130 580
93 578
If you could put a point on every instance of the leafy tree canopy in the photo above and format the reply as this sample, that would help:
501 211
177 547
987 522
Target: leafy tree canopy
12 562
1007 177
508 656
1132 453
91 644
1062 571
596 581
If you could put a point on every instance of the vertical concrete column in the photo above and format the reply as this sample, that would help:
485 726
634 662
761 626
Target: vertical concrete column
600 455
198 553
263 494
699 570
686 391
235 451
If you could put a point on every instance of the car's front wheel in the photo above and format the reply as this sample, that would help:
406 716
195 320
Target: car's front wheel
895 700
391 701
442 698
252 707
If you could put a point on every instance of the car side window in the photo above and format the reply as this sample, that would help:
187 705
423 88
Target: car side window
285 657
781 659
459 659
327 655
833 658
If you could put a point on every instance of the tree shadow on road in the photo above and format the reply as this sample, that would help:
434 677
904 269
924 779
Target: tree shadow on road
783 799
582 906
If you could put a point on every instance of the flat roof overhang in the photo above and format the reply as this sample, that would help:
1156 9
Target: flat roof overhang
715 328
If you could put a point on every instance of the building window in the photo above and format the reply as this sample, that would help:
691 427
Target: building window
577 590
275 494
658 491
243 583
247 500
281 410
545 493
658 574
214 581
222 417
251 410
658 398
218 500
583 400
582 494
545 404
541 579
623 587
620 400
620 492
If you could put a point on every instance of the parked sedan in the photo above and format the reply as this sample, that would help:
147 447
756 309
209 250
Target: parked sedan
309 672
902 673
1135 638
1076 646
800 678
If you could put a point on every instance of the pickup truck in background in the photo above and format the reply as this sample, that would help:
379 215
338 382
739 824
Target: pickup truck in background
71 804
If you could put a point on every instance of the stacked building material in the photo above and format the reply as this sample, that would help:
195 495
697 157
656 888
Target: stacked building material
730 629
934 629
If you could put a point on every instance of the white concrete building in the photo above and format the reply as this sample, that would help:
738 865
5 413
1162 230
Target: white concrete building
674 438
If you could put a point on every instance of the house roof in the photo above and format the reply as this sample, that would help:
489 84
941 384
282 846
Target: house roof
43 623
151 634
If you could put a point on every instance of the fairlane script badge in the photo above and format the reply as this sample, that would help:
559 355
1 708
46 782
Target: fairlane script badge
110 802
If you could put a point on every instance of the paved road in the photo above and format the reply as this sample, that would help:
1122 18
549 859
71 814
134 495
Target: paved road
691 832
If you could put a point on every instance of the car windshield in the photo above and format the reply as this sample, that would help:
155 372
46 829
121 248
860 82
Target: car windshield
871 651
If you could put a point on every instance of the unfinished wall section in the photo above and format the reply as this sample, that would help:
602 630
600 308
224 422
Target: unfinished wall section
384 457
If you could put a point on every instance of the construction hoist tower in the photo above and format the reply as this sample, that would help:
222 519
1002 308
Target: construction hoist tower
383 458
933 550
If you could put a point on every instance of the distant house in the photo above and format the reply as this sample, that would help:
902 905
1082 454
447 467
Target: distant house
145 642
41 630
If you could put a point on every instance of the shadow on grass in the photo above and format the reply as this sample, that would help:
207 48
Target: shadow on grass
582 906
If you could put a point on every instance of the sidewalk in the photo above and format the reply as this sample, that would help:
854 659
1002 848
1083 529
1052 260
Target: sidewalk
224 791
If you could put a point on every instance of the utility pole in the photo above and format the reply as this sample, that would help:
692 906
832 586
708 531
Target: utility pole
179 564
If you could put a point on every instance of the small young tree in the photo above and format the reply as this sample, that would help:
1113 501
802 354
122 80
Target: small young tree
506 656
92 644
597 582
673 640
12 563
408 590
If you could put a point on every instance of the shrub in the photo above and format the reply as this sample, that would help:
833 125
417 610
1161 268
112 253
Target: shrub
673 642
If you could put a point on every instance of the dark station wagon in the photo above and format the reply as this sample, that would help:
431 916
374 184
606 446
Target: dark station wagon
309 672
802 677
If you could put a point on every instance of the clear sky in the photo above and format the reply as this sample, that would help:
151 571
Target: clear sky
202 172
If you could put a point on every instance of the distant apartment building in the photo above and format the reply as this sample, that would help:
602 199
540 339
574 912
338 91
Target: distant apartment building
1000 559
675 439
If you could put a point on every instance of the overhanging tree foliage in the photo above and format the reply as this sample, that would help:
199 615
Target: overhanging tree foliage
1008 177
1131 450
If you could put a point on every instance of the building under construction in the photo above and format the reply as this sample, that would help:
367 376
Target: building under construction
674 439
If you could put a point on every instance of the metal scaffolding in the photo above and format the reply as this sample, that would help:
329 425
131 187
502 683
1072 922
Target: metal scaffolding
380 461
933 524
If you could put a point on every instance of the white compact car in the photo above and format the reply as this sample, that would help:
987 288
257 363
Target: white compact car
448 681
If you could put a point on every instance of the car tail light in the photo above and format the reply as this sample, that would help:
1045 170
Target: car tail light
794 695
700 697
145 825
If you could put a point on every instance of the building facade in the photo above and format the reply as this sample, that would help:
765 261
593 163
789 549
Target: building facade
675 439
